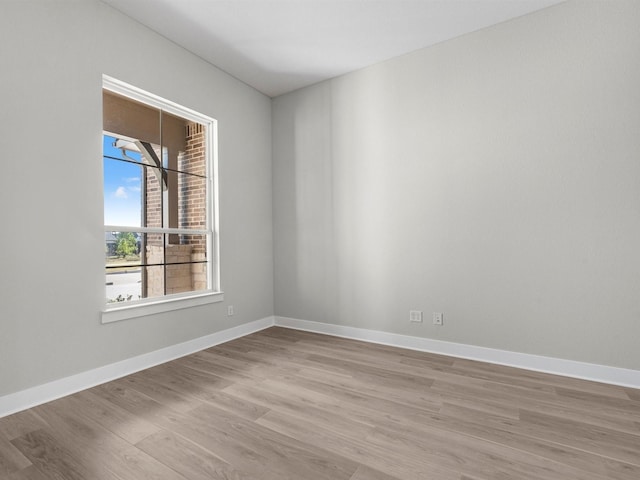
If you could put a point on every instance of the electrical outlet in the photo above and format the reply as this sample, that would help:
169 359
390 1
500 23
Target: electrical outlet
437 318
230 311
415 316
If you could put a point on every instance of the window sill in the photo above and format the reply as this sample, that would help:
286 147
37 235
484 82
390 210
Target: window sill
166 304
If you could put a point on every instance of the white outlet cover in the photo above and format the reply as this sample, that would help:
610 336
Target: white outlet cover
415 316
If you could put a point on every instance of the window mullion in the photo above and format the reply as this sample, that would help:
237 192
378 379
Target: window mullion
176 231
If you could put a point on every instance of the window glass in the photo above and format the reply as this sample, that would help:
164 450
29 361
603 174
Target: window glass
158 222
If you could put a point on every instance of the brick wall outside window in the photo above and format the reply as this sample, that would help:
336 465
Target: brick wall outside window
191 204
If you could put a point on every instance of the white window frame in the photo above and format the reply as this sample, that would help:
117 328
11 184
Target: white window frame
114 312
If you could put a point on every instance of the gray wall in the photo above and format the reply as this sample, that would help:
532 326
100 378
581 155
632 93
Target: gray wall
495 178
51 255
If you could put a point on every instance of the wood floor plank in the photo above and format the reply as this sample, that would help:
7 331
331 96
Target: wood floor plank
284 454
367 473
241 407
317 409
624 406
381 358
615 445
261 459
517 375
372 414
492 390
29 473
502 431
490 397
195 386
376 374
378 402
97 449
127 426
633 394
187 458
418 396
405 467
121 394
188 380
299 338
236 369
163 394
55 462
282 404
74 431
18 424
224 447
597 417
492 453
11 458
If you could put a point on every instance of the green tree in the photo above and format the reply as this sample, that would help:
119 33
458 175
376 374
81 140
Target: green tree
126 245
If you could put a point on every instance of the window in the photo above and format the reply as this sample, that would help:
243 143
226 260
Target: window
159 204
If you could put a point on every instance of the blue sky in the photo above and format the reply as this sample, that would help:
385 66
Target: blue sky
122 183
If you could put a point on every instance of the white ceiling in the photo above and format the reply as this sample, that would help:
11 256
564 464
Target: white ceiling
278 46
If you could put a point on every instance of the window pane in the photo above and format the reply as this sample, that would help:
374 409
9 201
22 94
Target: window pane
154 188
183 273
123 286
193 159
153 249
122 267
122 193
120 149
186 201
153 282
129 118
185 144
186 278
197 244
122 249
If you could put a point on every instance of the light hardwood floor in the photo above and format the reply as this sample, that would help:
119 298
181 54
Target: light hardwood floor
283 404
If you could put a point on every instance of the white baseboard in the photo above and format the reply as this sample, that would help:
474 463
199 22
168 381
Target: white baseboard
15 402
568 368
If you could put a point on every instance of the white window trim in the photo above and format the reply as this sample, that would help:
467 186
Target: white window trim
120 311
